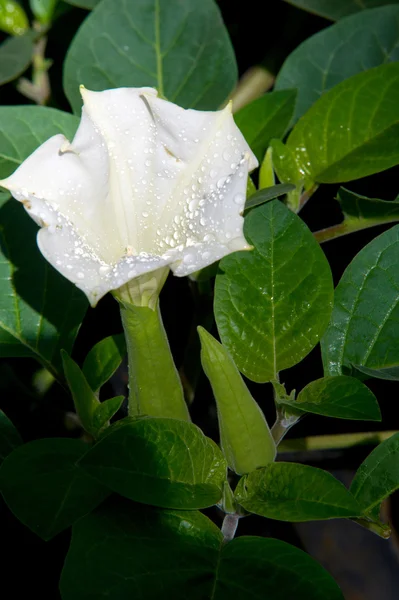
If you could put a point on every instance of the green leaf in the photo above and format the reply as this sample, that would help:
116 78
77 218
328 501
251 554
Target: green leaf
127 551
159 461
352 130
13 18
378 476
93 415
43 10
288 172
294 492
24 128
355 44
103 360
267 194
272 304
9 436
245 436
266 118
336 9
182 49
341 397
88 4
15 57
266 171
40 311
361 212
389 373
44 488
364 326
105 411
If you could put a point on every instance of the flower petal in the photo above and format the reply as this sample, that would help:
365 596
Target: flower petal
64 249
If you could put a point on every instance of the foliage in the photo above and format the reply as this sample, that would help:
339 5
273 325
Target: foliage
133 485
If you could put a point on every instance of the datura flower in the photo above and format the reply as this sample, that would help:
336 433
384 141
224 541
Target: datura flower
144 184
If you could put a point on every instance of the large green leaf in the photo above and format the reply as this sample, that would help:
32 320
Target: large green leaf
352 130
353 45
180 48
15 57
266 118
245 436
378 476
336 9
272 304
45 489
342 397
127 551
163 462
9 436
364 327
40 311
294 492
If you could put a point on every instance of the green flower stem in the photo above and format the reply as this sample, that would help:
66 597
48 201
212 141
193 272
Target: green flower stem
154 385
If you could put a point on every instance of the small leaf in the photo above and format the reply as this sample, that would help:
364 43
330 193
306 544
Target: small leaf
378 476
294 492
123 550
352 130
105 411
245 436
336 9
266 171
13 18
181 49
84 399
355 44
9 436
40 311
288 172
267 194
15 57
341 397
159 461
43 10
44 488
266 118
360 211
272 304
87 4
364 326
103 360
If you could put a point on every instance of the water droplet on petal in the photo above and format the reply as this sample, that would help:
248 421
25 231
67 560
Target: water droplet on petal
239 199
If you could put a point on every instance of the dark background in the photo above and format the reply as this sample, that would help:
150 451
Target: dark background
364 565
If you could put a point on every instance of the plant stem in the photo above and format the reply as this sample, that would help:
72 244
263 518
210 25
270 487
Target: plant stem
253 84
154 385
346 227
229 526
332 442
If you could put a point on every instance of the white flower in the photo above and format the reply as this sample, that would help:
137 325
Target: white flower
144 184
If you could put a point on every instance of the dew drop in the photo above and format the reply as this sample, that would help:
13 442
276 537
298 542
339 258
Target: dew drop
239 199
80 275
